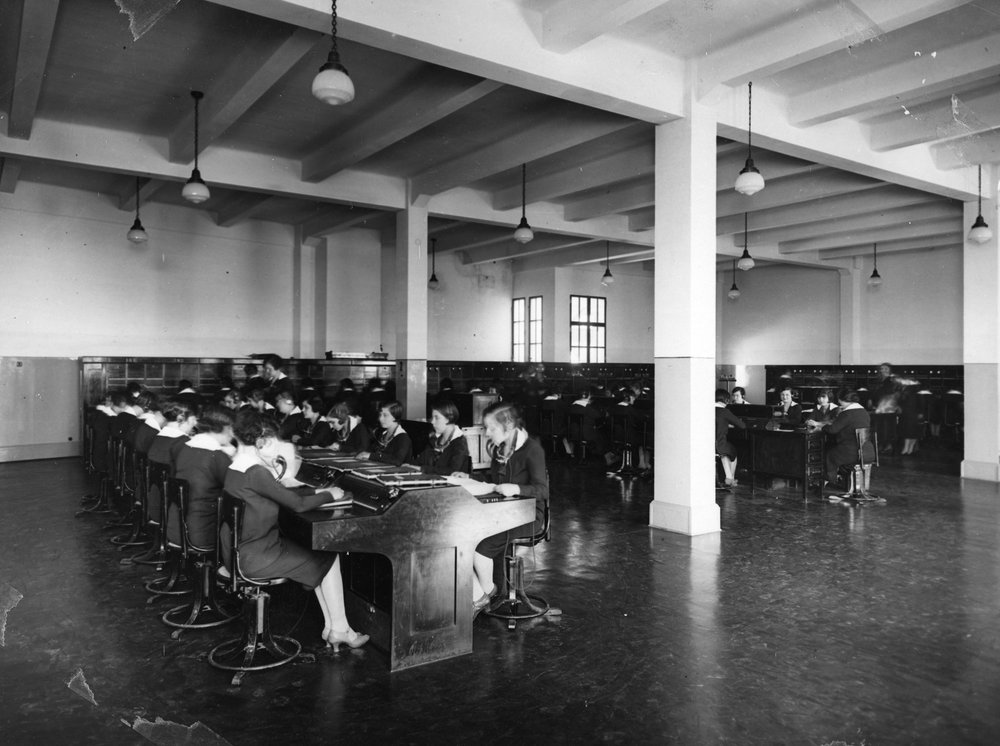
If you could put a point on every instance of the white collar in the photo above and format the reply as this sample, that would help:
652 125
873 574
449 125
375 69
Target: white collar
205 442
851 405
170 430
720 405
106 409
297 410
150 419
242 461
188 390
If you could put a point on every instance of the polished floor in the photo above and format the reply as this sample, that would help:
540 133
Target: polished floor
801 623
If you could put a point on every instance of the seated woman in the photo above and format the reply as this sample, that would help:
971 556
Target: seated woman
787 412
315 430
824 411
290 419
390 444
517 467
738 396
179 423
203 462
447 451
264 553
850 417
351 434
724 419
151 421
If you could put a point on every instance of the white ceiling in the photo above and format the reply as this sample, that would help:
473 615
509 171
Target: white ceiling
869 116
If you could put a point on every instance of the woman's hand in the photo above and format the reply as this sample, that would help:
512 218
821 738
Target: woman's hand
459 475
335 446
364 455
335 492
508 489
296 438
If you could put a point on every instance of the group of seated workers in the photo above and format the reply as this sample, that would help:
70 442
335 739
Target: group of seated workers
839 421
217 447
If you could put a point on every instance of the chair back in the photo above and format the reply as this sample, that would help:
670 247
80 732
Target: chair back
542 534
232 515
867 446
177 496
158 475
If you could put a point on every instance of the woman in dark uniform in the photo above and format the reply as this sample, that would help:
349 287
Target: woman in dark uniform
447 452
264 553
724 419
351 434
391 444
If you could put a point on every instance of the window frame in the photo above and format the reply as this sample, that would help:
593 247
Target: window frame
592 332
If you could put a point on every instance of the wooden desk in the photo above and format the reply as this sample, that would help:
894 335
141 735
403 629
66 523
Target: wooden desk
429 537
788 454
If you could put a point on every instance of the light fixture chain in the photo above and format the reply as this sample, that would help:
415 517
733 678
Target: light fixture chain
980 188
136 197
196 101
749 117
524 193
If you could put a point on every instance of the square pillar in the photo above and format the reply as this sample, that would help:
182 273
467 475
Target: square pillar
684 335
981 343
412 273
851 284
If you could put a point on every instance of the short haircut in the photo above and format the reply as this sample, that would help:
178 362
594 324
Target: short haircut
394 408
147 401
175 411
721 395
341 411
505 413
285 395
446 384
315 404
251 425
214 418
848 395
184 384
447 409
275 361
250 369
740 389
119 398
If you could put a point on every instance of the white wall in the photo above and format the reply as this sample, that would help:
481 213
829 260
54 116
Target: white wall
915 316
468 316
354 292
73 285
784 315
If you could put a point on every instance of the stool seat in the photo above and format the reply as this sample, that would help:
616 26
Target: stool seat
517 604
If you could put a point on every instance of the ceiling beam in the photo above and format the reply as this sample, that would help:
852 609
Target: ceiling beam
623 166
939 227
241 206
879 219
10 170
38 22
982 148
560 130
807 36
923 243
890 85
254 71
583 255
885 197
432 95
147 188
572 23
946 117
514 250
613 201
792 189
339 219
642 220
771 166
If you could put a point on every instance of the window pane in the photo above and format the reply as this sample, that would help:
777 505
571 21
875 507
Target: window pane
600 310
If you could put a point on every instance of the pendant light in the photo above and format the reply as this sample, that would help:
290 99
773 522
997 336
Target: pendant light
196 190
746 261
523 233
749 181
332 85
433 283
137 234
876 279
734 292
607 278
980 231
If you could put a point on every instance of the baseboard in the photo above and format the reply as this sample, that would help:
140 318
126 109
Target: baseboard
36 451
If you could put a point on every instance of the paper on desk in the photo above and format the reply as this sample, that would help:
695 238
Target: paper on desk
472 486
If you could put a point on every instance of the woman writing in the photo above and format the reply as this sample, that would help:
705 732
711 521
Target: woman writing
447 451
315 430
391 444
264 553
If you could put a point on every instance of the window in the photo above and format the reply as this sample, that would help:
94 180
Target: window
526 330
518 331
535 329
587 338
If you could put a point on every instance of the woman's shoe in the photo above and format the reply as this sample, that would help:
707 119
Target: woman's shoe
350 638
481 603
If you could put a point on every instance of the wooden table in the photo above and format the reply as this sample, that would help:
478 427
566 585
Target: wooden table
429 537
790 454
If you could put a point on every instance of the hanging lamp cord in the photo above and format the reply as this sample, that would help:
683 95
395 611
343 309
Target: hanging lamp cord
197 97
334 52
749 118
524 177
980 189
744 231
136 197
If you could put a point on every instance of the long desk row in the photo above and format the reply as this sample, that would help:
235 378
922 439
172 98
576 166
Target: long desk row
428 530
789 454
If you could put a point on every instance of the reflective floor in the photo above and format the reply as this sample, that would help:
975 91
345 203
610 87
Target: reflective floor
801 623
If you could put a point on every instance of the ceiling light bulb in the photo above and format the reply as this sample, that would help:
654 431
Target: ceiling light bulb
523 232
980 231
749 181
332 85
137 233
746 261
734 292
195 190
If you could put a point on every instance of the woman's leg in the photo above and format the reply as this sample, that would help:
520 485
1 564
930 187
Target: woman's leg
330 593
482 567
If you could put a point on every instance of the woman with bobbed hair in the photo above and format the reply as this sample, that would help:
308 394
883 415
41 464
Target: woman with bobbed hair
264 553
350 433
447 451
391 444
314 430
517 467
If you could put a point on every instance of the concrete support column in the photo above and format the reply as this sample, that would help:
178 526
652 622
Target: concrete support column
981 343
309 289
852 282
684 335
411 310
